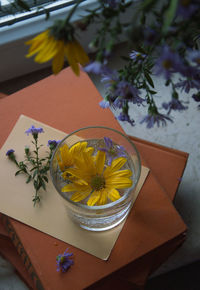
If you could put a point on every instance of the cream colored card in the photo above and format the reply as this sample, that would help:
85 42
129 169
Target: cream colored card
50 215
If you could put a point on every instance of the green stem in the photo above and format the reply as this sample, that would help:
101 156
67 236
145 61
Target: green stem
72 11
36 198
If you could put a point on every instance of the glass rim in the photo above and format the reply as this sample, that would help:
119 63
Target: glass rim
110 204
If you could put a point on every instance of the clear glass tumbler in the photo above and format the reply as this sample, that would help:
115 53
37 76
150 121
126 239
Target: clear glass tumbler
106 216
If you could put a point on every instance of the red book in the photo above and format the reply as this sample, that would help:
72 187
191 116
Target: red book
152 231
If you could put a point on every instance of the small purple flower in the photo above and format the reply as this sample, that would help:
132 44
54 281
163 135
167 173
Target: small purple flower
187 85
175 104
150 36
196 97
34 131
52 144
112 150
109 78
124 117
96 67
63 261
113 4
194 56
168 63
104 104
137 56
154 117
187 8
127 91
10 152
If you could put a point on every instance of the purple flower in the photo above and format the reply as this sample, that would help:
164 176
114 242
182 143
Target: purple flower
63 261
96 67
104 104
175 104
52 144
194 56
127 91
154 117
34 131
112 150
124 117
110 77
188 84
168 63
196 97
137 56
113 4
10 152
187 8
150 36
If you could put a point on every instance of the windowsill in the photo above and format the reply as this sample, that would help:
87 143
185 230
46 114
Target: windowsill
35 25
13 49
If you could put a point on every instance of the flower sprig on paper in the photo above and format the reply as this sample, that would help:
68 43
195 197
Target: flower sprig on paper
34 167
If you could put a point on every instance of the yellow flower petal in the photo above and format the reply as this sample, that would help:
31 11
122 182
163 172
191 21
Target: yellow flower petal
113 194
58 60
68 188
103 197
37 43
48 51
79 53
119 173
94 197
78 196
121 182
100 161
115 165
71 58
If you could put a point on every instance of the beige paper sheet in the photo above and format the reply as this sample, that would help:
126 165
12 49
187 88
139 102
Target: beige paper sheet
50 215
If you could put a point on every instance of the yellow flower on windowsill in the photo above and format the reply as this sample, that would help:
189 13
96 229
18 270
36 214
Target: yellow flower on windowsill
93 180
48 46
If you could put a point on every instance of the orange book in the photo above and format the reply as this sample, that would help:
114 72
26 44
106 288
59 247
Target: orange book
153 229
168 157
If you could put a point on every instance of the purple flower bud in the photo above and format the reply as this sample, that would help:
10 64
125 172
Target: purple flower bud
34 131
63 261
10 152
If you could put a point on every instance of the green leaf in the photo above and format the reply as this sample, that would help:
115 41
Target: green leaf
35 173
169 15
152 92
45 178
36 185
149 79
28 179
148 4
35 167
18 172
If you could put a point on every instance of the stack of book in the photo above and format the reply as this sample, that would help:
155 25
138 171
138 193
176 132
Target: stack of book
153 229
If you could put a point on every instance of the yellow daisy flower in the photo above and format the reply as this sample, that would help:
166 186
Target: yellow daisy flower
93 180
66 156
47 47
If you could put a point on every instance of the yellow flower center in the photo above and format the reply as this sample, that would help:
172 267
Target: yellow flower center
97 182
112 152
62 260
167 64
185 2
